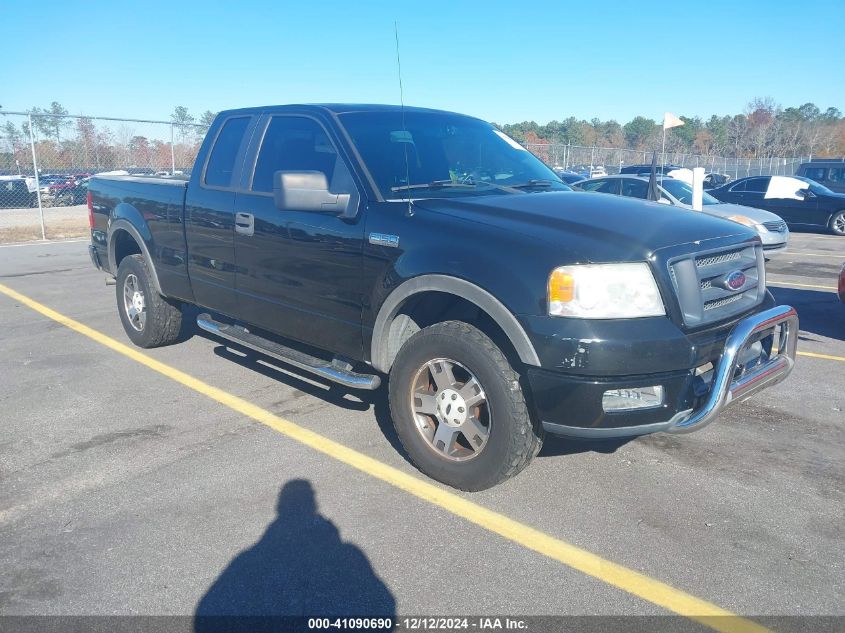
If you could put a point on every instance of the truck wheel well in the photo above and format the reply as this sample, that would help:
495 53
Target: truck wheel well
427 308
124 245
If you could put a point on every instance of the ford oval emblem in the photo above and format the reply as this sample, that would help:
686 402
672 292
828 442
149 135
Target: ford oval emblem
735 280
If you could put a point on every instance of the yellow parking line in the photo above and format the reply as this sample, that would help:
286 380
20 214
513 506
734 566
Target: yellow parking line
771 282
824 356
628 580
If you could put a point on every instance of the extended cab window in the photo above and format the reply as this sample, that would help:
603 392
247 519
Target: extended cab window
293 144
757 185
221 162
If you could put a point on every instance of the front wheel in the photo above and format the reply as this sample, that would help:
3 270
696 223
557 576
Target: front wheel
458 408
149 319
837 223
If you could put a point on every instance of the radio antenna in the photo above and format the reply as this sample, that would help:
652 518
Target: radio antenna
402 110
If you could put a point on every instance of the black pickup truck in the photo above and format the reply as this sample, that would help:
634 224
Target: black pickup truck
364 243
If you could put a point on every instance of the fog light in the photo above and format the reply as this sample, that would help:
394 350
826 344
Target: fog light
632 398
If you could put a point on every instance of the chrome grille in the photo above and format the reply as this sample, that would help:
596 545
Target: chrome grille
718 303
717 259
777 226
701 284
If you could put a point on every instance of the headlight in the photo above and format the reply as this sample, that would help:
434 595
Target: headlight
604 291
741 219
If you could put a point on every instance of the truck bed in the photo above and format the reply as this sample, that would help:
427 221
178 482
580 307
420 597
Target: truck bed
158 204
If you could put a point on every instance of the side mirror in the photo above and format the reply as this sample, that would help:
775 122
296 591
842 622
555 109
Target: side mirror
309 191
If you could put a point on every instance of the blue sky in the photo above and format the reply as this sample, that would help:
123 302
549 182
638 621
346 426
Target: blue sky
502 61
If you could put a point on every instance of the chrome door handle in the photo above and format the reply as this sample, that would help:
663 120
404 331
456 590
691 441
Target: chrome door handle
244 223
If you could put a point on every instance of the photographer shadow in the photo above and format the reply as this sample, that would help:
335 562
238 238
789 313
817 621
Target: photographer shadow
299 568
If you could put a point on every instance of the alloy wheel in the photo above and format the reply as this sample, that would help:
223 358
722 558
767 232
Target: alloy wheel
450 409
133 302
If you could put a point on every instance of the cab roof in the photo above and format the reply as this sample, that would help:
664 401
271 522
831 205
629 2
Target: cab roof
339 108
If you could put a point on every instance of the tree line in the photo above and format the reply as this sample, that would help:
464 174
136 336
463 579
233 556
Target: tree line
763 130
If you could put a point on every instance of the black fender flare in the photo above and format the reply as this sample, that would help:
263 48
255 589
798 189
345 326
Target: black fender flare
380 347
122 224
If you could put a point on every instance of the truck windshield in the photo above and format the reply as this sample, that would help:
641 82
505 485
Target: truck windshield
439 154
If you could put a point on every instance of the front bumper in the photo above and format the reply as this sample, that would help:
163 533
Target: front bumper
774 241
571 405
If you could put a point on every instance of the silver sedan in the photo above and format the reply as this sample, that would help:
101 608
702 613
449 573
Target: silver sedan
770 227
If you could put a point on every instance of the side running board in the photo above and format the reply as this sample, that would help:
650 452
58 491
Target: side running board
337 371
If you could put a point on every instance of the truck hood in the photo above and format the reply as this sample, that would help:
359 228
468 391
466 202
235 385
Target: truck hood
590 227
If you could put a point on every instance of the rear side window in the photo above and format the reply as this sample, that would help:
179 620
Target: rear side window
756 185
836 175
293 144
221 162
601 186
634 188
815 173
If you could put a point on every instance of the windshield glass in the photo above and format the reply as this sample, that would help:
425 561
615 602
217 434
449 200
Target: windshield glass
447 155
683 192
814 186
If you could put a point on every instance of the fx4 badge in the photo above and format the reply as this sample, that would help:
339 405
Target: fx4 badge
383 239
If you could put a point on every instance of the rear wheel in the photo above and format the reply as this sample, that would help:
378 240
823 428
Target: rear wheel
458 408
149 319
837 223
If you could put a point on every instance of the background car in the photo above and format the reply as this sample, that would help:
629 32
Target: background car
63 189
14 192
569 177
73 190
714 179
814 207
645 169
772 230
589 171
827 172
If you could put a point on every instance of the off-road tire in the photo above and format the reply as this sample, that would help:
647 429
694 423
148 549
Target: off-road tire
514 439
164 318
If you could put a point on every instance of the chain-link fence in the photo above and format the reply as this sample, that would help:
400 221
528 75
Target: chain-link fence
611 160
46 161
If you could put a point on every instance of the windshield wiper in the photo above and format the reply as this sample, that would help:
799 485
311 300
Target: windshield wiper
436 184
534 182
449 184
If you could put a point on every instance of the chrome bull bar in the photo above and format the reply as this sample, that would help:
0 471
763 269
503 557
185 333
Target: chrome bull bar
726 388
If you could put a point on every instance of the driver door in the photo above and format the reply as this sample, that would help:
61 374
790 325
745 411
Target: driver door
298 273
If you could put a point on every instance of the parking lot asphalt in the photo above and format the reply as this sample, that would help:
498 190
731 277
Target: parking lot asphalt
124 491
